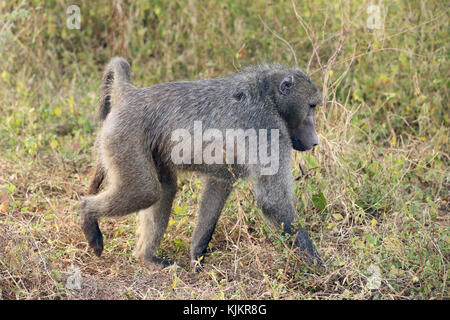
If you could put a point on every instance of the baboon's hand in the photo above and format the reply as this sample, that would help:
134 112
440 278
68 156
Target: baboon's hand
306 248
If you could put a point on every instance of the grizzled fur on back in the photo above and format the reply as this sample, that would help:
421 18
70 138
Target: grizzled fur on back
234 101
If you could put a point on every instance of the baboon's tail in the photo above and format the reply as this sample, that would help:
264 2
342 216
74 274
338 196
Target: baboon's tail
116 72
97 180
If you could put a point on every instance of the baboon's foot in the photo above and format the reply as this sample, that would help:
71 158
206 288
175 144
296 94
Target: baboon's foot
91 231
158 263
151 261
163 263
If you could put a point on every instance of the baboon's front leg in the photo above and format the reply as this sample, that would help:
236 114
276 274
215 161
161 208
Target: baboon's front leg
274 196
214 197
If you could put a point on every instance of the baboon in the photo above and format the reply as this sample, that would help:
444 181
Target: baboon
135 142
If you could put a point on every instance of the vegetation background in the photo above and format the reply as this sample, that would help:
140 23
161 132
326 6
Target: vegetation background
374 195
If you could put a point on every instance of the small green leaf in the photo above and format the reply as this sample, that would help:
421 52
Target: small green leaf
57 111
179 244
54 144
319 201
179 210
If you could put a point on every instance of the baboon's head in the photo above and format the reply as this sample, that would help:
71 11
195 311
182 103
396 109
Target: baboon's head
296 98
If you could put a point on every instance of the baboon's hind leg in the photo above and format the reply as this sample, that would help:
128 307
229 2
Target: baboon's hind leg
153 221
133 186
90 226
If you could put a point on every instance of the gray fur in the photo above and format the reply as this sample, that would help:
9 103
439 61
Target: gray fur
134 147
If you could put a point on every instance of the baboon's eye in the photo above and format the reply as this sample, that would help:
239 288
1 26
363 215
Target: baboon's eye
312 106
239 96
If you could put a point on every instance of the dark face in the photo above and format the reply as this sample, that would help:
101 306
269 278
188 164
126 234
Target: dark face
305 137
297 98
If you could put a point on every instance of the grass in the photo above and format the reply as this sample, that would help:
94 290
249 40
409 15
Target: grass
374 195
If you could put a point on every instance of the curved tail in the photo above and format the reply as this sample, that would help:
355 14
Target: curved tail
117 71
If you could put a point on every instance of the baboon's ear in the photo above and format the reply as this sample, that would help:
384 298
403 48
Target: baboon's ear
286 84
